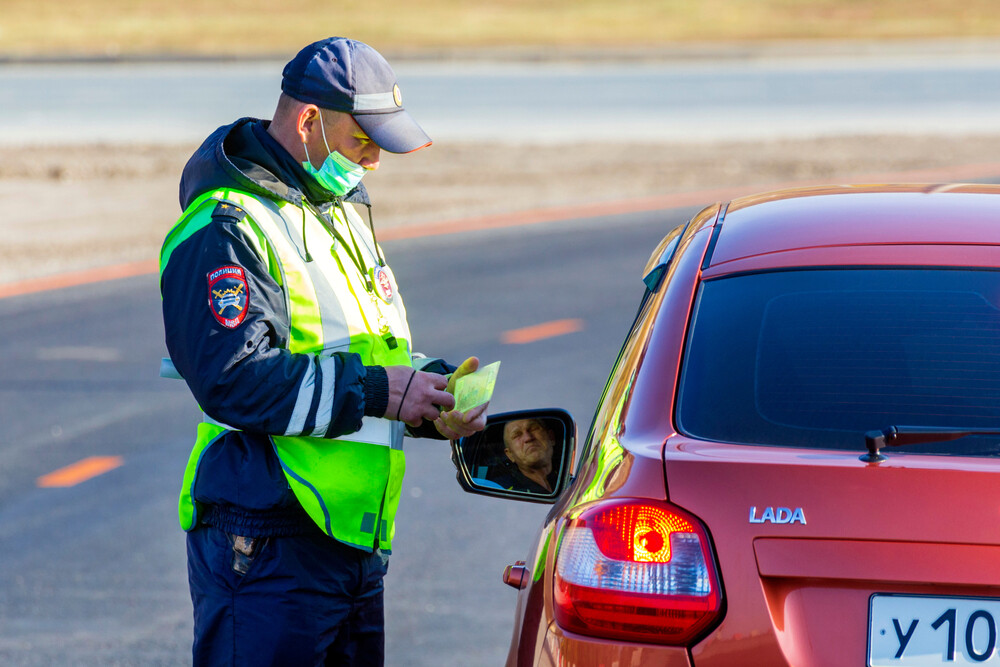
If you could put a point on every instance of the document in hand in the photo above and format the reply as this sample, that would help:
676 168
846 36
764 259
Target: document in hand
474 389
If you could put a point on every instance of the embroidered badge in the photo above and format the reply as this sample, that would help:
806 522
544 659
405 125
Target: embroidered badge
383 283
228 295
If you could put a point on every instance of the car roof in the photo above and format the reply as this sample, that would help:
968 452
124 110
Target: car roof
847 224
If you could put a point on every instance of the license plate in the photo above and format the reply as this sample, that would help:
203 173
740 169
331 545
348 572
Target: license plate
919 630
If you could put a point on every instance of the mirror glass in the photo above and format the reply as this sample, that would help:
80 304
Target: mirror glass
523 455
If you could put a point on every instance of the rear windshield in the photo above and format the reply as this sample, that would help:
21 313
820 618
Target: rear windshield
817 358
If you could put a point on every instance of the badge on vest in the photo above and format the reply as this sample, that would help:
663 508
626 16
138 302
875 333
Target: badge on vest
228 295
382 280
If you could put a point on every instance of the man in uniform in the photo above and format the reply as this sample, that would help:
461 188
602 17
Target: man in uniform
284 319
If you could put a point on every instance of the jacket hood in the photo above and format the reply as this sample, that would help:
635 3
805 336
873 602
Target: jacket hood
245 157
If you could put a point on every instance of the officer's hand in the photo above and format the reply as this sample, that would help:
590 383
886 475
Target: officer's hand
470 365
416 395
454 425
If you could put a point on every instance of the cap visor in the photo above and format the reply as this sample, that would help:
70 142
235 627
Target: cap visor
395 132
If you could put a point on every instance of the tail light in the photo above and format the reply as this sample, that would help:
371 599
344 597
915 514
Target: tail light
637 570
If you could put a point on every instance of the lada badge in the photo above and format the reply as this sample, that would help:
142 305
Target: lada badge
778 515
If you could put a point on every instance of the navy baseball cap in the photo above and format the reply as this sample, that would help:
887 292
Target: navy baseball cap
346 75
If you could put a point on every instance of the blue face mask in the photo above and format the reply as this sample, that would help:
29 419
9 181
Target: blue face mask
337 174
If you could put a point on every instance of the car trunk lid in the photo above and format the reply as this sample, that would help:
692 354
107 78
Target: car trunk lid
805 538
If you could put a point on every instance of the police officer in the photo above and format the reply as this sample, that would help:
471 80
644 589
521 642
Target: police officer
284 319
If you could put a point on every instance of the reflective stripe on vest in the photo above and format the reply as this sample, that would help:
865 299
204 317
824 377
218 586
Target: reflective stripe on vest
350 486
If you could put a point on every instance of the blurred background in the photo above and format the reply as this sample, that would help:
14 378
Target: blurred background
559 101
600 124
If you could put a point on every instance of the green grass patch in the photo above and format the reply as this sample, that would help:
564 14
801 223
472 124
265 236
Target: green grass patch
215 27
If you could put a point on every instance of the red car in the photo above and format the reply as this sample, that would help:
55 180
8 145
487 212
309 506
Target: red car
796 459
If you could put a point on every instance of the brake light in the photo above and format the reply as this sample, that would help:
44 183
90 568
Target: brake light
638 570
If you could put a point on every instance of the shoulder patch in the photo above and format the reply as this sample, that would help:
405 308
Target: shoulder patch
226 210
228 295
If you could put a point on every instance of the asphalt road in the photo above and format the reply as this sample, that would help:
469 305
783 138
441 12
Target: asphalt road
94 573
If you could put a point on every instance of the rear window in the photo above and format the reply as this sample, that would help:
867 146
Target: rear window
817 358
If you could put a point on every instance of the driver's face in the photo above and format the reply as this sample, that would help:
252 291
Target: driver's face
528 443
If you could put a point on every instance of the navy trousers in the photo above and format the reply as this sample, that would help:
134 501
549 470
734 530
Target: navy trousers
306 600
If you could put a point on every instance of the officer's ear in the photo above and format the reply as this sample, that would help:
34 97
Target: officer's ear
307 121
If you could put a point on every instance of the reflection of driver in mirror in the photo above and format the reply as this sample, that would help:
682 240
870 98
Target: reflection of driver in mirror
529 444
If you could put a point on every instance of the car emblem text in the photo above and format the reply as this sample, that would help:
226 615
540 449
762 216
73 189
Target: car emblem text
778 515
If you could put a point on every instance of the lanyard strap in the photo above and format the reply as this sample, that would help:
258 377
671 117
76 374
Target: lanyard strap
357 257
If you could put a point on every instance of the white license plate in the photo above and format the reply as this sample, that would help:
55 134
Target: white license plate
918 630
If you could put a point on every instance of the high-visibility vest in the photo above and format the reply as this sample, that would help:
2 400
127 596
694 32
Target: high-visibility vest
349 486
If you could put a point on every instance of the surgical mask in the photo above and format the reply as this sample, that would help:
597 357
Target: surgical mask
337 174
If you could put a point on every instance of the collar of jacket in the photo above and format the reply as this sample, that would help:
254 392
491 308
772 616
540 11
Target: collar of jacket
245 157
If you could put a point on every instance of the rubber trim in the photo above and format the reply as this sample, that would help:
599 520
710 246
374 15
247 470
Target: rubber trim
715 238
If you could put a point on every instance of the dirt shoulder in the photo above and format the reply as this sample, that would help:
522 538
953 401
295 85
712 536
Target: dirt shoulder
77 207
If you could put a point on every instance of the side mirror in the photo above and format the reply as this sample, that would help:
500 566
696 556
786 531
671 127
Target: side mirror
524 455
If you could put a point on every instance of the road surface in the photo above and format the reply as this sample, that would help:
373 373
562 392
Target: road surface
94 573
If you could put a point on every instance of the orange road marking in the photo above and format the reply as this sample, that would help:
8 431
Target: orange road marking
541 331
958 173
80 471
76 278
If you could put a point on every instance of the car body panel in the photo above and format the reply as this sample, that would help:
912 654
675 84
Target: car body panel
565 649
870 216
879 560
885 255
664 339
606 466
810 573
795 592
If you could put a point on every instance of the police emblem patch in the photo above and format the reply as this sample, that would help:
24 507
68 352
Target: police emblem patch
228 295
